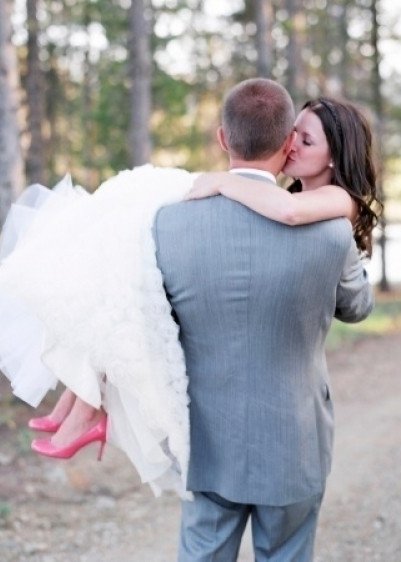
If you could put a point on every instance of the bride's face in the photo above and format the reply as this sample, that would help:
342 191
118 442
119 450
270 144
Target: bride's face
309 158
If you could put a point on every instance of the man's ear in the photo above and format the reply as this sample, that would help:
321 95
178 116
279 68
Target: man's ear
222 139
289 143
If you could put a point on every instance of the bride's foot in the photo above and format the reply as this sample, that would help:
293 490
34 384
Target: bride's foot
44 423
96 432
79 421
53 421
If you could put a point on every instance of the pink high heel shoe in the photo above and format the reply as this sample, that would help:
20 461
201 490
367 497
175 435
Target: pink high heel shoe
44 424
95 433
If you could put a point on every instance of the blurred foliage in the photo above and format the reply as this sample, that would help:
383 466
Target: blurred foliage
5 512
393 189
199 50
24 439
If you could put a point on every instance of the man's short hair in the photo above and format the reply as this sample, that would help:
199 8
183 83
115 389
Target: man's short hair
257 117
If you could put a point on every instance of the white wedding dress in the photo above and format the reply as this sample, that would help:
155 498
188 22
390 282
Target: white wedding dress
82 302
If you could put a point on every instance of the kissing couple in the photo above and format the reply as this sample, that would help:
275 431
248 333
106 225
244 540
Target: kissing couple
194 313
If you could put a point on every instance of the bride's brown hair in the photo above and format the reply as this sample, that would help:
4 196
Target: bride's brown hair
350 142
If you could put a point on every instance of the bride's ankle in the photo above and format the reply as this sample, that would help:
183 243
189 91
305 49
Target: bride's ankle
63 406
76 424
90 416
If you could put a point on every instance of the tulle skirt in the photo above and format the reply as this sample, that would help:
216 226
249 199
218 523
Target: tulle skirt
82 302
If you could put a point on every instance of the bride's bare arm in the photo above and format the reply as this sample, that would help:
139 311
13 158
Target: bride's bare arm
275 203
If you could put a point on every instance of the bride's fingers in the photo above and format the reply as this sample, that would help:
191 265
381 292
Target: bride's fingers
205 185
192 194
198 193
189 195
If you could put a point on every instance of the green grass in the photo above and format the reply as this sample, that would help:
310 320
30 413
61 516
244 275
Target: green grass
5 512
385 319
24 438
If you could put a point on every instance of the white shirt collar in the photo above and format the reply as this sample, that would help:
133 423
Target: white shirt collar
255 172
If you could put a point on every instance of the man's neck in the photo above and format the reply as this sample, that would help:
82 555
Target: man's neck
254 172
262 165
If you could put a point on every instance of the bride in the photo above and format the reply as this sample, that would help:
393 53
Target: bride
82 298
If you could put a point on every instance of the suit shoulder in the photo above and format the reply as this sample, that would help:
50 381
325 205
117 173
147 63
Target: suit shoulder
172 215
336 233
339 227
172 209
174 218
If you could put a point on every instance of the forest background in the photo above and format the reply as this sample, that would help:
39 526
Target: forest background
92 87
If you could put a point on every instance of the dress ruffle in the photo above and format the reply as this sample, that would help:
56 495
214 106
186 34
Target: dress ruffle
83 275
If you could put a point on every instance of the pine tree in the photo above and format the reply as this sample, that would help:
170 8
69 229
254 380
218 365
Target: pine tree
10 152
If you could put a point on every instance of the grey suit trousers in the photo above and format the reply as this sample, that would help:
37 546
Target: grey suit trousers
212 528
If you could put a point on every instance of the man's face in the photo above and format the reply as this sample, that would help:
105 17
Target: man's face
309 157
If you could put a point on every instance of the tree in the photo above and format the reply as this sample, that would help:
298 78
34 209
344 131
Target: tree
35 165
378 109
140 70
344 63
11 177
263 20
296 36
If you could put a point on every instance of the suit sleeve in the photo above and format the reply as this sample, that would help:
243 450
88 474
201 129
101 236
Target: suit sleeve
354 297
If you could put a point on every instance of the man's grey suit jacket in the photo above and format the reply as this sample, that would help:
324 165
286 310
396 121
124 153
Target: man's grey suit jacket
254 300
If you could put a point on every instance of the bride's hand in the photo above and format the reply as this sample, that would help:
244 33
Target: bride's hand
207 185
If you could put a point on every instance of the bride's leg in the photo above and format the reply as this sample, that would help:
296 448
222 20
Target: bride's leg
52 421
81 418
63 406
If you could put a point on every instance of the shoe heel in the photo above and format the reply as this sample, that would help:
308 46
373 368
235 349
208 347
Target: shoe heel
101 449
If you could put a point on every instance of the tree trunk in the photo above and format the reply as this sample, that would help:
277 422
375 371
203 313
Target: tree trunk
90 179
296 73
378 108
35 166
11 177
263 21
344 67
292 51
140 68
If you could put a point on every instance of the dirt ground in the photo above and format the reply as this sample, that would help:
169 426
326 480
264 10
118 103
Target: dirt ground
84 511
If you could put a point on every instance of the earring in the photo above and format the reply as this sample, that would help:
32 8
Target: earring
331 165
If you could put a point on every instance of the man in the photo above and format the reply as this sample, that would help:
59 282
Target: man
254 300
